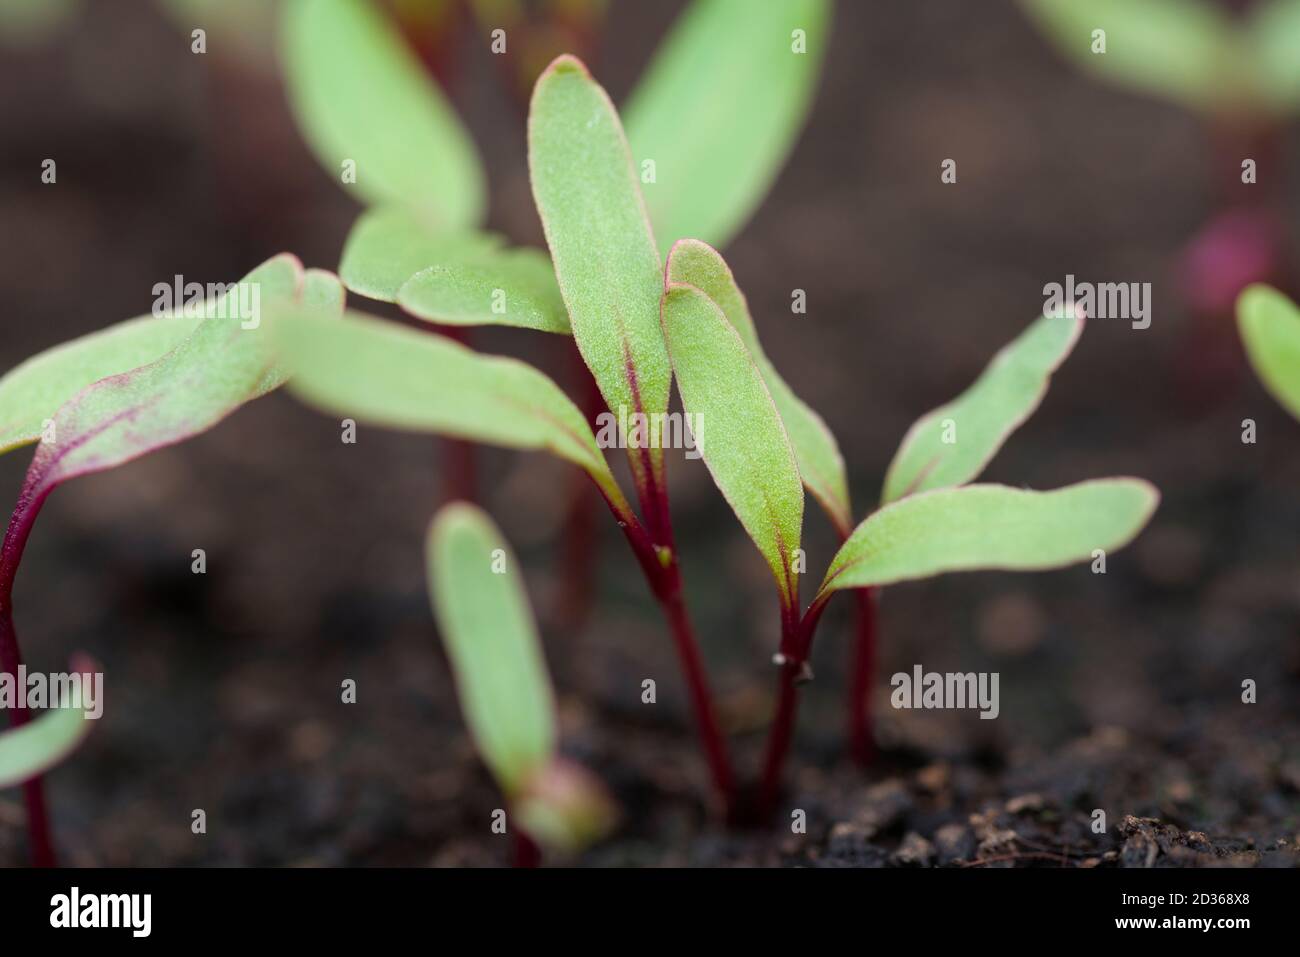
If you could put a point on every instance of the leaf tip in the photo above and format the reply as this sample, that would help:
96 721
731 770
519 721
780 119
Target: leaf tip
1252 298
565 63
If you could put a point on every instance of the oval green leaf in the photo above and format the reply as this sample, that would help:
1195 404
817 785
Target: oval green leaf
226 362
380 372
1183 50
386 247
515 288
821 466
360 95
606 261
737 429
1270 328
719 109
979 527
952 445
32 749
1272 37
476 585
32 392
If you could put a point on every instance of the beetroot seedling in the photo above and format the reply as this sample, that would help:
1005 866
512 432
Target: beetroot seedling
111 397
636 324
928 524
491 639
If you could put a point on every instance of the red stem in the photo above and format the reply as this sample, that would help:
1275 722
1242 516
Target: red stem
40 846
665 581
796 644
527 853
779 737
706 718
862 744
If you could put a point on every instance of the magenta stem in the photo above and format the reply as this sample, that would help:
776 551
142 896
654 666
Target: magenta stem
796 644
40 845
665 581
527 853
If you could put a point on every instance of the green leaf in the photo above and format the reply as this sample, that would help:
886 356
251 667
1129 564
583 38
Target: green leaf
233 27
380 372
605 257
487 626
821 466
719 109
476 586
515 288
737 429
565 807
207 376
40 744
32 392
1270 328
952 445
980 527
360 94
1184 50
29 23
322 292
1271 38
34 748
386 247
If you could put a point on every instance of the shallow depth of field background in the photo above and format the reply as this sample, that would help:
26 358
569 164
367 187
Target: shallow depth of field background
223 690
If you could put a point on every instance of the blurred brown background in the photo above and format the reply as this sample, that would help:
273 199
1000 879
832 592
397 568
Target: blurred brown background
223 690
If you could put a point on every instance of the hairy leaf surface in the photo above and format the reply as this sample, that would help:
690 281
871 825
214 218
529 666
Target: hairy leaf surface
737 429
515 288
978 527
32 392
202 380
606 261
376 371
388 246
821 466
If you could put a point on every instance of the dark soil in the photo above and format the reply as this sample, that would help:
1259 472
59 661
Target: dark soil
1120 692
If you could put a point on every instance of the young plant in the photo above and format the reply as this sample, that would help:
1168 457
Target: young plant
113 396
1270 329
928 525
637 324
491 639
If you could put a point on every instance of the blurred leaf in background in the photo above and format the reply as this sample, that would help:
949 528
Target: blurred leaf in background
1270 328
1193 52
375 117
719 109
29 23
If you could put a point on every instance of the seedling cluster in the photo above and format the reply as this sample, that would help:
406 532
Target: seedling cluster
633 220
